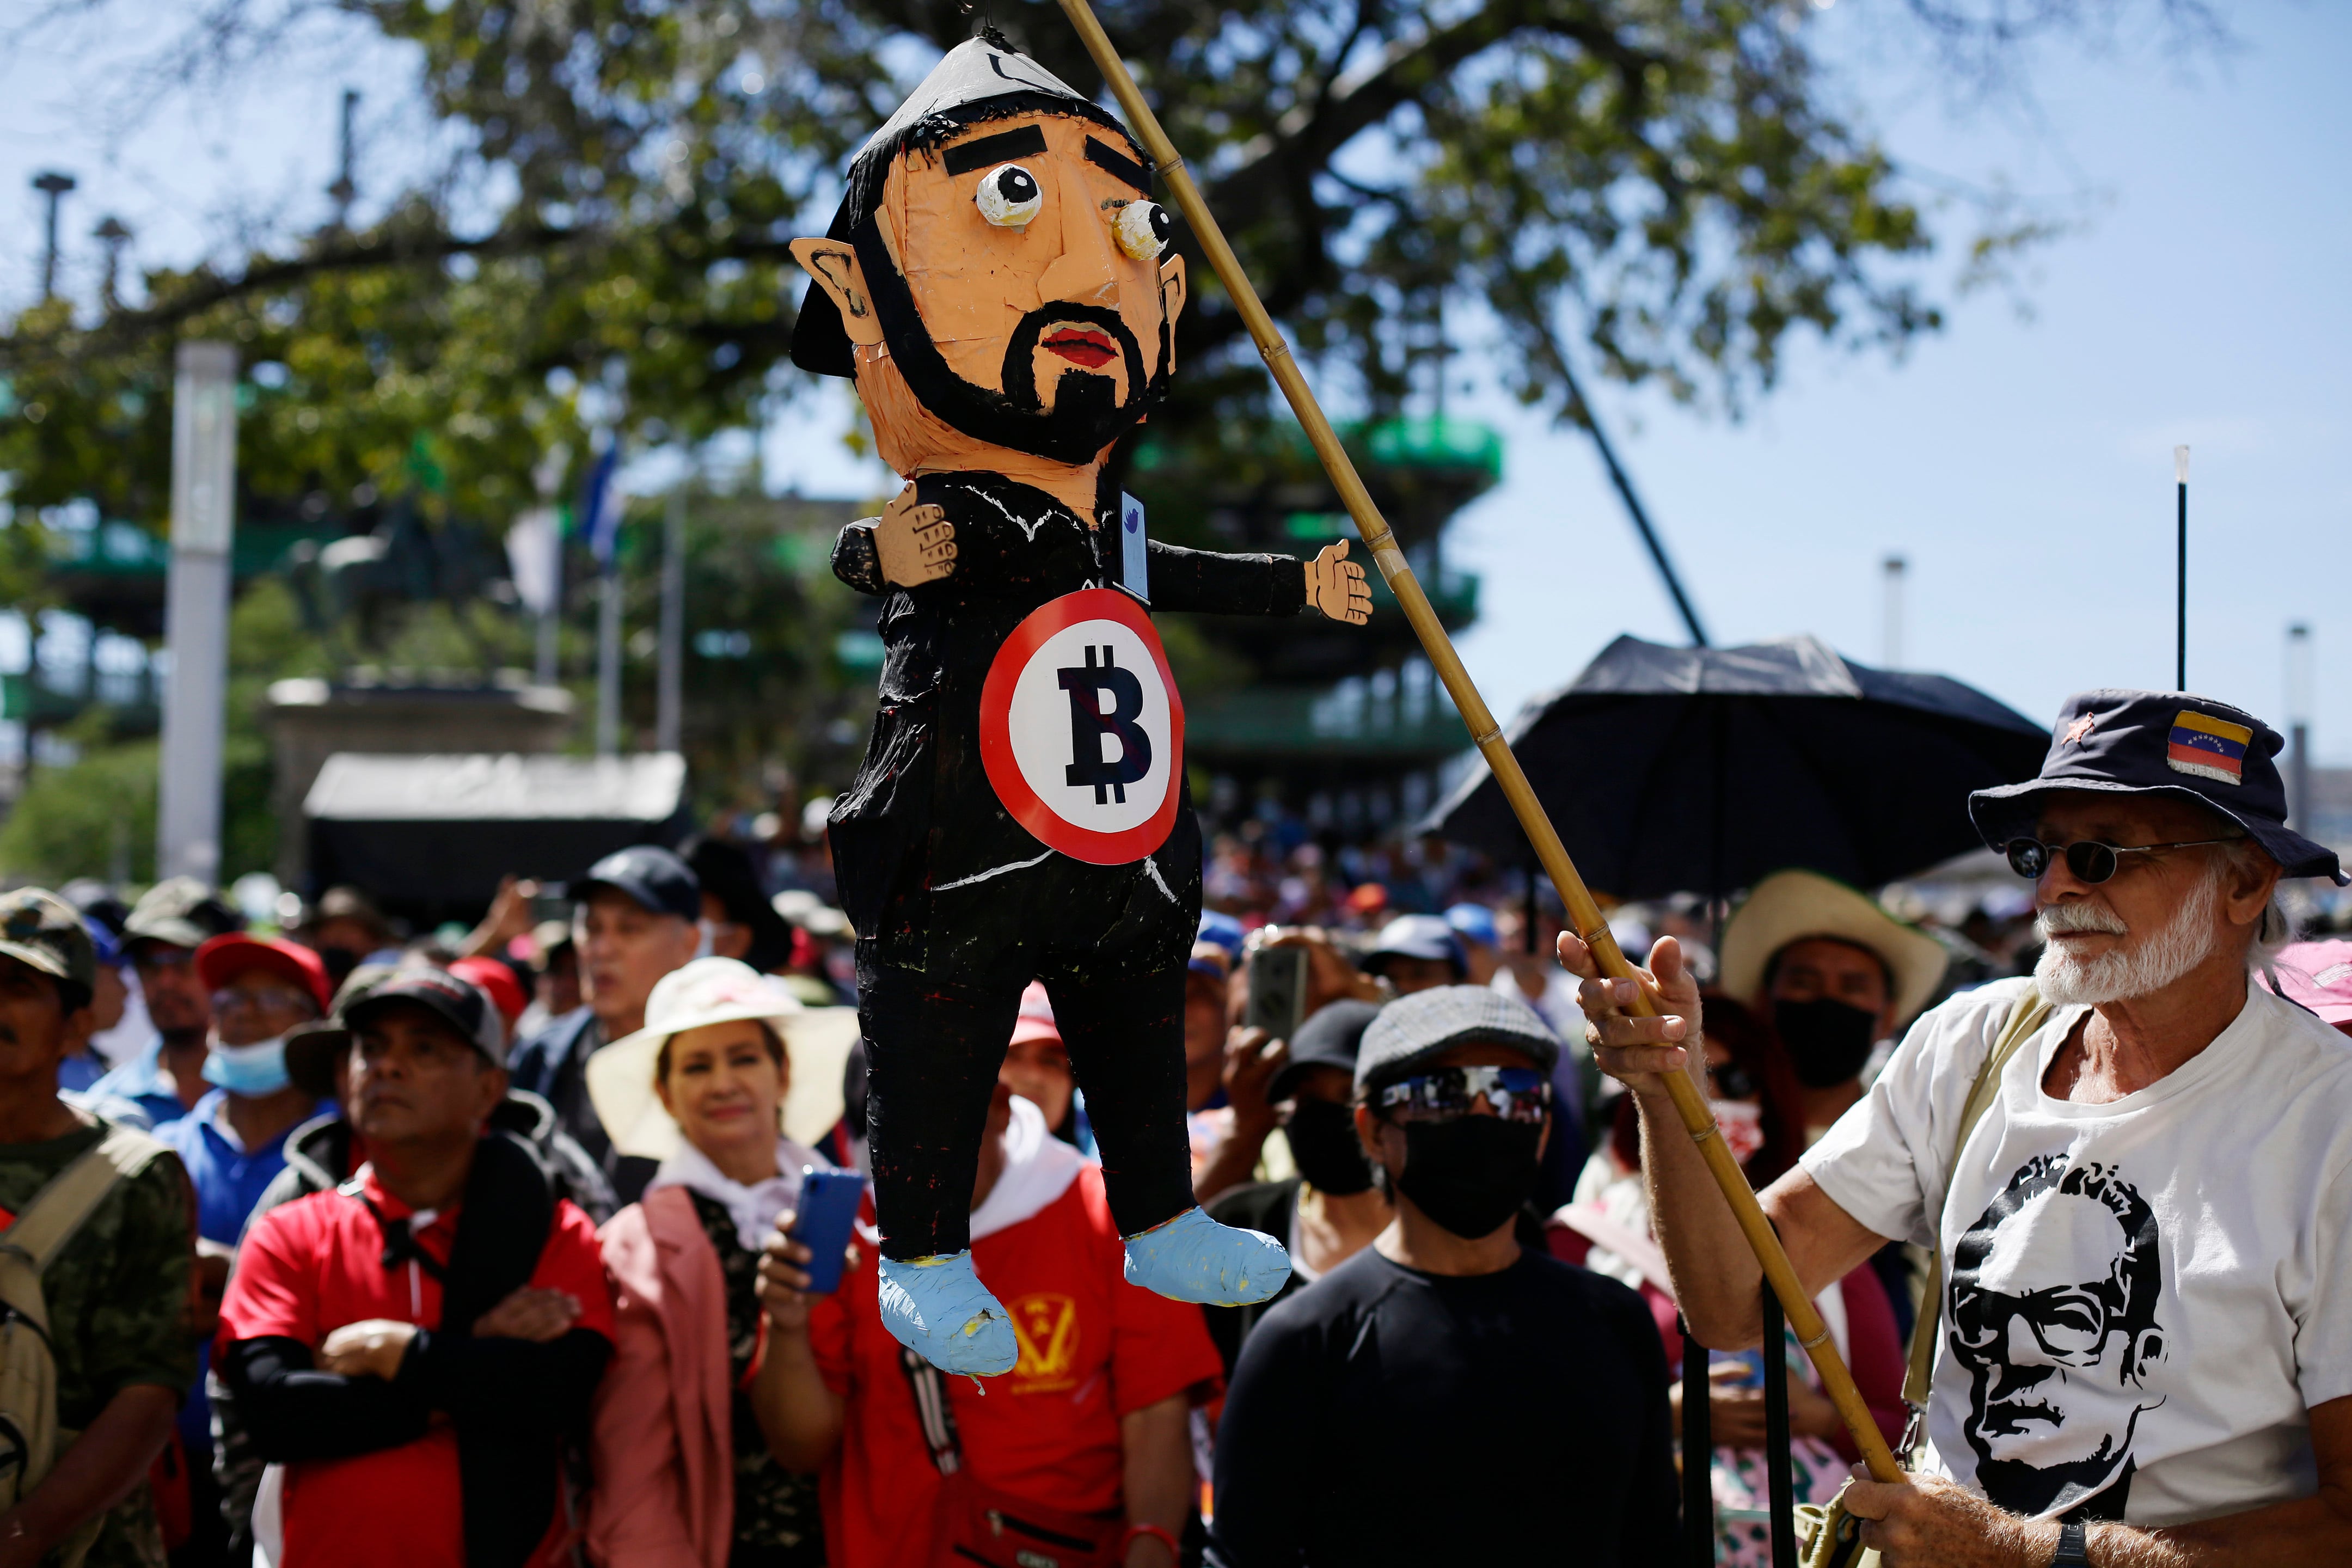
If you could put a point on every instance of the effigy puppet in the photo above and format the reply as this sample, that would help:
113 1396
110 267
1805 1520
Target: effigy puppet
999 283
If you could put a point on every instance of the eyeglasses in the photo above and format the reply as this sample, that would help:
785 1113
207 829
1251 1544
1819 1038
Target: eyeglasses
2088 859
1514 1094
267 999
2068 1321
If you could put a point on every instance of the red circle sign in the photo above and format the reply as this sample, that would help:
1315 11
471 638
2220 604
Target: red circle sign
1081 730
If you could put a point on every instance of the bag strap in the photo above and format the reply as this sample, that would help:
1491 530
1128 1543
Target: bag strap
1779 1480
2024 1019
59 1209
931 1391
1699 1453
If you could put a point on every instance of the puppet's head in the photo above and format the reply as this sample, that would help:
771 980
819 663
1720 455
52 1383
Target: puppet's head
998 276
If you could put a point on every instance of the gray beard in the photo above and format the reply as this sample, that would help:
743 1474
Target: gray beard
2137 968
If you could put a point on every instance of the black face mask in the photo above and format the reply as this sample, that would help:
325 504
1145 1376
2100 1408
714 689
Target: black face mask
1470 1174
1323 1143
1828 1040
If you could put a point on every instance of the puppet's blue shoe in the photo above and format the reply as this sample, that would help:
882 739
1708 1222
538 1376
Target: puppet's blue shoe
938 1308
1193 1258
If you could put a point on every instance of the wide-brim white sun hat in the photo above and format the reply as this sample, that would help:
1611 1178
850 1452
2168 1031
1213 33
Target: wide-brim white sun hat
817 1043
1792 906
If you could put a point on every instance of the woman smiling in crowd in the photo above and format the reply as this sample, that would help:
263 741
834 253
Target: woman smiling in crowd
727 1069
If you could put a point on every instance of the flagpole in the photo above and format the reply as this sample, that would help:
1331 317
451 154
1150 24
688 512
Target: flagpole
1583 911
2181 576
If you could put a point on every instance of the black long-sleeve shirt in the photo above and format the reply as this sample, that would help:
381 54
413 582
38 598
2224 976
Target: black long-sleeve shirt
1387 1416
922 818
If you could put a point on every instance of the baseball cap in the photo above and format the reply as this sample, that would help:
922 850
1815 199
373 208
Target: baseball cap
2116 741
1419 1028
221 959
181 910
1328 1039
1221 930
345 903
40 929
1416 936
497 982
311 1049
1474 923
2319 976
1035 1019
649 875
104 946
456 1001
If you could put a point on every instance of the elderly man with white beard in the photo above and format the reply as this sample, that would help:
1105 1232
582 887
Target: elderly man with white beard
2135 1168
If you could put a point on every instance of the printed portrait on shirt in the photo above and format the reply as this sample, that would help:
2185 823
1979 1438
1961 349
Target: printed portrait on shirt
2053 1313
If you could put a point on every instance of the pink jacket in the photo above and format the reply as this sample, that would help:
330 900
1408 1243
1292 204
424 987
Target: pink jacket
663 1444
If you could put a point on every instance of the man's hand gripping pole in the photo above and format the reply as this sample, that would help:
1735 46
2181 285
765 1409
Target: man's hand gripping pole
1553 856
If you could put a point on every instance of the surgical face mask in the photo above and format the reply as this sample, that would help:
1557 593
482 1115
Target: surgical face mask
707 941
1828 1040
1470 1173
1742 1126
251 1071
1322 1135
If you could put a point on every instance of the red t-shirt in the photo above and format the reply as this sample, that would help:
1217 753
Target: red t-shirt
316 1264
1093 1349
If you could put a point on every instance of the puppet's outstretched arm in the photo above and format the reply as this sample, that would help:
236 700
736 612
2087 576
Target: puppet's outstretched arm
1259 584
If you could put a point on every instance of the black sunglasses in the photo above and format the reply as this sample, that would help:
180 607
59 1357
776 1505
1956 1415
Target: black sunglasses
2090 860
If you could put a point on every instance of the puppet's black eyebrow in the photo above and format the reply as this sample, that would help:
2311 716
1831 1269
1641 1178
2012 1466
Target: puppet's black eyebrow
965 157
1119 163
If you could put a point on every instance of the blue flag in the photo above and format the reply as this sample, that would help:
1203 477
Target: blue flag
600 507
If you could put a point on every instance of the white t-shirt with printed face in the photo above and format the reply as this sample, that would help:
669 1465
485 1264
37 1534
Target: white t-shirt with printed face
2142 1299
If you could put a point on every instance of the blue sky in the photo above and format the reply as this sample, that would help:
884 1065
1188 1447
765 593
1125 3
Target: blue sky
2020 461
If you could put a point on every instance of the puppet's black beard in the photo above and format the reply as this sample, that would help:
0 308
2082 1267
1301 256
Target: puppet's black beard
1087 415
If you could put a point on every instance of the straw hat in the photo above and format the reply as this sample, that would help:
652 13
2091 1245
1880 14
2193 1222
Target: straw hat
817 1042
1792 906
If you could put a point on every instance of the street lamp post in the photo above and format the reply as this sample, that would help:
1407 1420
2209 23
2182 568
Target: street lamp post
195 615
54 186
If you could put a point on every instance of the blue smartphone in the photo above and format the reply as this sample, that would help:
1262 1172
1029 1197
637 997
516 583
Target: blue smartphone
1753 1360
828 1208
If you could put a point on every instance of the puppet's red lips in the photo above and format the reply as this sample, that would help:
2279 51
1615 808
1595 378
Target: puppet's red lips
1088 346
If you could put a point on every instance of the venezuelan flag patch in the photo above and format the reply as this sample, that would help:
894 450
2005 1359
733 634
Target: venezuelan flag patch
2209 748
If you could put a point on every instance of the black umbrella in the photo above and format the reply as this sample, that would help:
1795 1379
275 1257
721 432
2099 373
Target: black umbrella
1701 770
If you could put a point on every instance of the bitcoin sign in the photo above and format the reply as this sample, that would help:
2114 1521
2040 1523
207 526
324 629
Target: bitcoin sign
1081 730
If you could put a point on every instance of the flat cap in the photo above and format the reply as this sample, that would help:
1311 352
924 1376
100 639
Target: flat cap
1415 1031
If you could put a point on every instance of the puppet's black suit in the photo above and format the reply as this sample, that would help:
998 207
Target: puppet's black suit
958 907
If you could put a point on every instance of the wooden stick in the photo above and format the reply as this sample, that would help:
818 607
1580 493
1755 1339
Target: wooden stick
1583 912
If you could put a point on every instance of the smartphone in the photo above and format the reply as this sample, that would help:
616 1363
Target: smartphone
1752 1360
828 1207
1277 991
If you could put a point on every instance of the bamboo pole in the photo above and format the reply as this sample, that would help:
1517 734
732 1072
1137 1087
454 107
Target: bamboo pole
1582 911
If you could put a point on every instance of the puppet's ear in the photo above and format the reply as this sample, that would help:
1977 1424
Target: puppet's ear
835 267
1172 288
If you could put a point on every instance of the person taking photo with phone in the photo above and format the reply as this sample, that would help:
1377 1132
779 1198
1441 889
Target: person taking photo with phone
728 1085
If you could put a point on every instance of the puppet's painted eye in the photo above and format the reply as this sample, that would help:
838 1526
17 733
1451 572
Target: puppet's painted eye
1143 229
1008 197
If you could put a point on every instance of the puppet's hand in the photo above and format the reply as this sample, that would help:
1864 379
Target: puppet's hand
916 543
1335 585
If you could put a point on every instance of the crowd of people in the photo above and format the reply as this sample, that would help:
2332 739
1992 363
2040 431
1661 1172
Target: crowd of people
328 1246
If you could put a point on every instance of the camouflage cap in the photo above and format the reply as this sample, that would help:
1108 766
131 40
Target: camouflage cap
182 911
39 928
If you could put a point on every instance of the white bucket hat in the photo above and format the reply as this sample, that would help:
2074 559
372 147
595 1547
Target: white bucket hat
817 1042
1792 906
